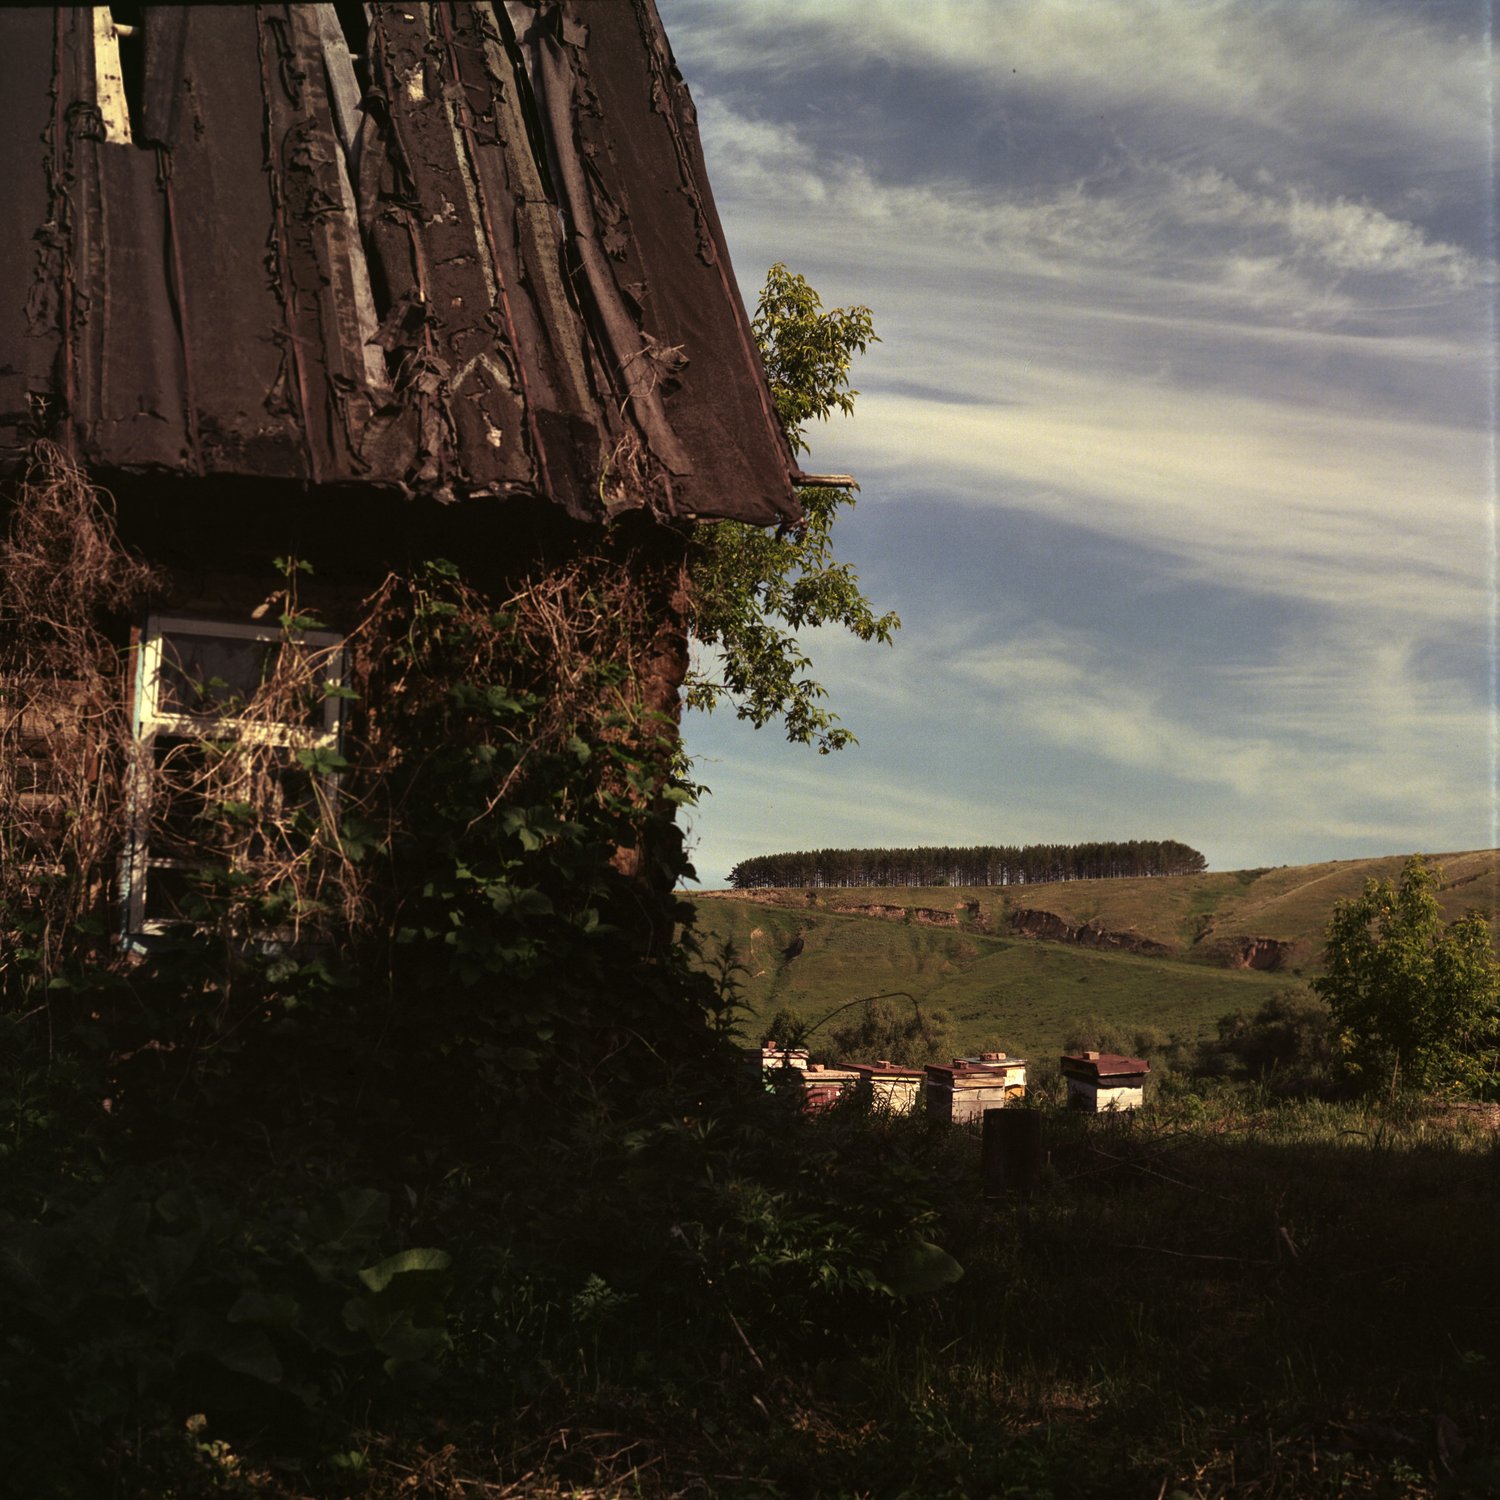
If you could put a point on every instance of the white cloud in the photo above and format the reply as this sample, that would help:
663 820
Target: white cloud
1336 68
1174 228
1235 320
1355 512
1344 235
1081 698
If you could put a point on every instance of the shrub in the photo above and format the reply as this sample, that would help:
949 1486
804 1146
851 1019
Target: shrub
1416 1003
897 1030
1287 1043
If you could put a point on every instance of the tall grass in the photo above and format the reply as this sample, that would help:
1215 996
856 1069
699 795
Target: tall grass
1231 1295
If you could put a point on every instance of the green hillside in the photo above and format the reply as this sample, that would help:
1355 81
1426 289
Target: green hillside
958 949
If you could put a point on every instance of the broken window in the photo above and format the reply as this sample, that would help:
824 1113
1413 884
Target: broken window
236 730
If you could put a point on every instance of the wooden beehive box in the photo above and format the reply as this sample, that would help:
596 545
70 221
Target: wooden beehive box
823 1087
962 1090
888 1086
1104 1082
776 1064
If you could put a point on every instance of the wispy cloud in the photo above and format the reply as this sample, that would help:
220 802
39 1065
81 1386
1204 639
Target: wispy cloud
1209 282
1355 512
1385 75
1179 224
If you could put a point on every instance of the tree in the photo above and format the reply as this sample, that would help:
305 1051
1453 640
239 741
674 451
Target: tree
753 590
883 1030
1415 1003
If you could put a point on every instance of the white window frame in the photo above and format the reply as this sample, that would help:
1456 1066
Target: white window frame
149 719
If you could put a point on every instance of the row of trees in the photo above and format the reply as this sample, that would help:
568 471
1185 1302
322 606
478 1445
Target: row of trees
982 864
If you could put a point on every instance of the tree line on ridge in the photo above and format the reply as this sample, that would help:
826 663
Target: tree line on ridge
981 864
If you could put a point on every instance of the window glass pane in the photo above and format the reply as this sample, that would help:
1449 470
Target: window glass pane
216 676
171 896
218 783
210 674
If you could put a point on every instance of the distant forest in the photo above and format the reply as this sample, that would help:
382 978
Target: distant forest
984 864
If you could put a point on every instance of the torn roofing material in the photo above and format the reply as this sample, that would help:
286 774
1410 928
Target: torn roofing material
467 251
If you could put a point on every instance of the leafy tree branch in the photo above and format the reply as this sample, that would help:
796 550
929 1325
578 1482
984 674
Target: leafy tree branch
754 590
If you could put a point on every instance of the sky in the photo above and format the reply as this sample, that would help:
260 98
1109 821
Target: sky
1177 454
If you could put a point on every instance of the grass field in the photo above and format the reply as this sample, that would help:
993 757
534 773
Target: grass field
1014 995
1020 995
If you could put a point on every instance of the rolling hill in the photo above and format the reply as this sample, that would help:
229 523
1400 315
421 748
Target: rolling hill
1021 967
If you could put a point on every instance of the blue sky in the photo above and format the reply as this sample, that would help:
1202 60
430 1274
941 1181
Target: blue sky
1177 454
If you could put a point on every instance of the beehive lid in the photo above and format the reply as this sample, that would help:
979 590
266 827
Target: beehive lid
976 1071
819 1073
1104 1065
883 1069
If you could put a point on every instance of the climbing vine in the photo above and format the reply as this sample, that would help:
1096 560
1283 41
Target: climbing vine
480 864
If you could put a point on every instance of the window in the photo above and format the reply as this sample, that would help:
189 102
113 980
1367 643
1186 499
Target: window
236 730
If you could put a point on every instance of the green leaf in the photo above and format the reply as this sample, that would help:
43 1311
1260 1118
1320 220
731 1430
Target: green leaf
510 900
295 624
249 1353
277 1311
918 1268
753 589
379 1277
321 761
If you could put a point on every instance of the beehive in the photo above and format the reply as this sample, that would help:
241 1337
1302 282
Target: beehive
888 1086
1104 1082
962 1090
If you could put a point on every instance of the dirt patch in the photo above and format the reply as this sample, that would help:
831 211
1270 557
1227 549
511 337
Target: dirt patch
926 916
1256 953
1048 927
931 917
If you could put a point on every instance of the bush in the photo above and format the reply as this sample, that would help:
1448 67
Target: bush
1416 1002
894 1030
1287 1044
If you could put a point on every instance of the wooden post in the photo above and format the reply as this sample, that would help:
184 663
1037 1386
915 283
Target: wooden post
1012 1153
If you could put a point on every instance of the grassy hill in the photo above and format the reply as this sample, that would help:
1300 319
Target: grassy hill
963 950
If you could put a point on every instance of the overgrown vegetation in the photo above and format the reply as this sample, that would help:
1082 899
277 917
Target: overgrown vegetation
392 961
501 796
468 1193
65 748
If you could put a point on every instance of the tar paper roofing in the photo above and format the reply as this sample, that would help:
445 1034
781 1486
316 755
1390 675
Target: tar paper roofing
472 252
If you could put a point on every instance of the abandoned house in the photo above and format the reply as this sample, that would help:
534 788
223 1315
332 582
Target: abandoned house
354 287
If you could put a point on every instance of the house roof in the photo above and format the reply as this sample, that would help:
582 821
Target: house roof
475 255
